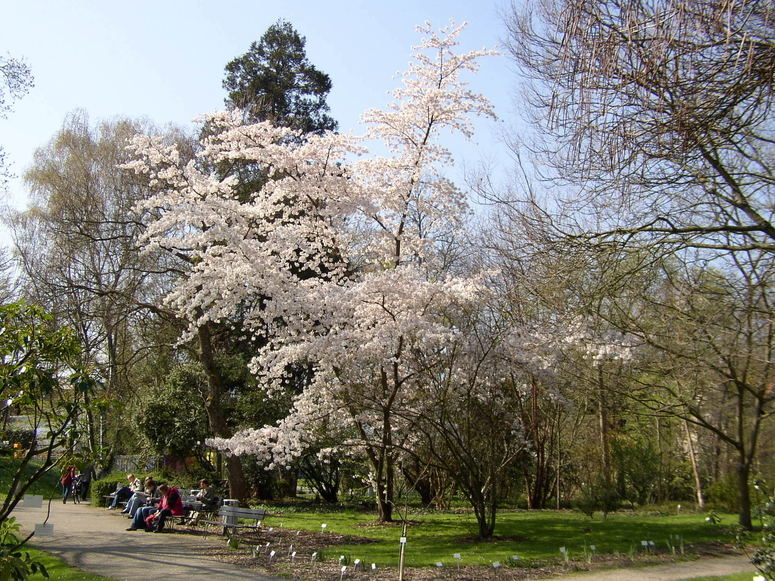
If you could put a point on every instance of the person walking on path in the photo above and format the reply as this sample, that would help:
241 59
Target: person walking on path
67 481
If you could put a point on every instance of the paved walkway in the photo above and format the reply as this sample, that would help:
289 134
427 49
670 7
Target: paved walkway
95 540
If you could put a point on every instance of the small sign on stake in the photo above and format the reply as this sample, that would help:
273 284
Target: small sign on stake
439 564
402 540
44 530
313 557
33 501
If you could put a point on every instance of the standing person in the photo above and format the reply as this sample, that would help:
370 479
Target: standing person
126 491
66 481
150 518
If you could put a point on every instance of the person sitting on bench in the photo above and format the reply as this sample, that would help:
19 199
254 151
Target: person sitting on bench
150 518
141 498
126 491
206 496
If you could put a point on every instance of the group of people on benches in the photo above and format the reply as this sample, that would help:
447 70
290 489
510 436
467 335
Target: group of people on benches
148 516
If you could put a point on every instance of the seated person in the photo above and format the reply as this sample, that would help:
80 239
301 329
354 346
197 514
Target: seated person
141 498
151 518
206 496
126 491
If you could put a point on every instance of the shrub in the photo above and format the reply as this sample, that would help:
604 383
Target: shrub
15 563
597 496
724 496
764 558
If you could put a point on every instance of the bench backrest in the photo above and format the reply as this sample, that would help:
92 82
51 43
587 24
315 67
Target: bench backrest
227 511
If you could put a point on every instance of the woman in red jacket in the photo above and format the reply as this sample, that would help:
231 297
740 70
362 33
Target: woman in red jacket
67 481
151 518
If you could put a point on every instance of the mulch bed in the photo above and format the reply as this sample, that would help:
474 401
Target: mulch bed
254 551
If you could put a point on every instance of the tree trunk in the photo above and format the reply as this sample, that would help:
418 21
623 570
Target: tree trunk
695 468
743 473
215 416
605 453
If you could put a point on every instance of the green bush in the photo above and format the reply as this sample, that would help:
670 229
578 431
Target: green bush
8 438
597 496
16 563
105 486
723 494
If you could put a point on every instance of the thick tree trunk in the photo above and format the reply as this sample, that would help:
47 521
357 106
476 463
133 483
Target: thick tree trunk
743 474
218 426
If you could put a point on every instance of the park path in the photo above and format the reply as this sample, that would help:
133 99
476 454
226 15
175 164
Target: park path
95 540
706 567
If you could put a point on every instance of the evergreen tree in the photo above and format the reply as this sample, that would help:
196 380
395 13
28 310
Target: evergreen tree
275 82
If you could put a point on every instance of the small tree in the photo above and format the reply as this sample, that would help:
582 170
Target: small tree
41 382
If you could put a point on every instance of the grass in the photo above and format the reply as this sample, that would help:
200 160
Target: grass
59 570
48 486
531 536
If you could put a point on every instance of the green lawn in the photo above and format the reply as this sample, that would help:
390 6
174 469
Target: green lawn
531 536
58 570
48 486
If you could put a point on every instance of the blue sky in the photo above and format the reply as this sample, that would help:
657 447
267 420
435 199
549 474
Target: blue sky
164 60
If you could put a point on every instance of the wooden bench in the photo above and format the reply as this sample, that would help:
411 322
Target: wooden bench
230 516
109 498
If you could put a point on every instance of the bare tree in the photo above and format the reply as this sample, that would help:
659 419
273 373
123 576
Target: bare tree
77 254
654 117
654 129
15 81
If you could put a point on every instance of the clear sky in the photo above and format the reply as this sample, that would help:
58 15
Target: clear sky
164 59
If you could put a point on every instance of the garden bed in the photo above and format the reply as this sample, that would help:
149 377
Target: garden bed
317 558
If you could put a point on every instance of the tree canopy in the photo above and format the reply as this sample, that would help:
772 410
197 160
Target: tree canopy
274 81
